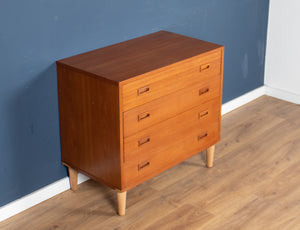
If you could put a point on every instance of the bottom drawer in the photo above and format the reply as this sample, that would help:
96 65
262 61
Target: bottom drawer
180 150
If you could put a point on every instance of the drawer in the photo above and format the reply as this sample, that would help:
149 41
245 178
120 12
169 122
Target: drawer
156 138
170 79
151 163
168 106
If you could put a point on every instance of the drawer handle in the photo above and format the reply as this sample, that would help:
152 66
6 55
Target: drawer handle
203 91
143 90
204 67
203 114
143 141
143 165
143 116
200 137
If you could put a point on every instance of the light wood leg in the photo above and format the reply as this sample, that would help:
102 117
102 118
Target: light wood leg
73 177
121 196
210 156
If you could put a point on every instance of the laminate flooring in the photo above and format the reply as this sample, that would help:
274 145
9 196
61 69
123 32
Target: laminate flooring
254 184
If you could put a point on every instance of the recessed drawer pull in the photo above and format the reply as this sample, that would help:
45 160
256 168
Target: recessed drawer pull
203 114
143 141
143 90
143 165
143 116
200 137
203 91
204 67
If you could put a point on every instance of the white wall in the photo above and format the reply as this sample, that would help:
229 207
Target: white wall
282 70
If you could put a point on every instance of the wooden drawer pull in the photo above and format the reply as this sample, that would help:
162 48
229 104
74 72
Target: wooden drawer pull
143 90
143 165
203 114
203 91
200 137
143 141
143 116
204 67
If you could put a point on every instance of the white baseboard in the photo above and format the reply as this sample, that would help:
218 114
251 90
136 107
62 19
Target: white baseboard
242 100
282 94
62 185
37 197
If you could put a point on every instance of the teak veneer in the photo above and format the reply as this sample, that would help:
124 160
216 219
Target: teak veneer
131 110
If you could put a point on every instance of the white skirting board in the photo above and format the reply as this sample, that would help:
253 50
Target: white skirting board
37 197
62 185
242 100
282 94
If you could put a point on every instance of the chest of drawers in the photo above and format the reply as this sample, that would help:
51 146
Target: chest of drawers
132 110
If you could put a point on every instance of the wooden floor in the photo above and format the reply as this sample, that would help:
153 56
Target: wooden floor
255 184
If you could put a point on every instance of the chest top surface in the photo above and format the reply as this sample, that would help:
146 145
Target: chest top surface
137 56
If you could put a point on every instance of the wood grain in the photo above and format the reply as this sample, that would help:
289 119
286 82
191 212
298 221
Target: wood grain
73 175
187 216
167 156
90 126
210 156
255 184
159 137
121 197
163 81
171 105
123 61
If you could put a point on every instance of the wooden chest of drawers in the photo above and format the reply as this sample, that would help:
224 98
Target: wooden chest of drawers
132 110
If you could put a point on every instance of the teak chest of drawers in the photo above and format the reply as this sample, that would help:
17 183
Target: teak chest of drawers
132 110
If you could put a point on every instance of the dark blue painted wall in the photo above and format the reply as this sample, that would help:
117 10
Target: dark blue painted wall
35 33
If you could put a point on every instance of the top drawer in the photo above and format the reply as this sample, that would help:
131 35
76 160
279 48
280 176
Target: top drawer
171 78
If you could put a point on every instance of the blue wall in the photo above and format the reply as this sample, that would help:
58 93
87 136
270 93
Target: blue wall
34 34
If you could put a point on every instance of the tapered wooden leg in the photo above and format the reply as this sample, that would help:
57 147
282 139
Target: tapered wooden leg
73 177
121 196
210 156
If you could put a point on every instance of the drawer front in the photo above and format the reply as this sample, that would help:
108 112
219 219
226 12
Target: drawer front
170 79
157 138
181 148
146 115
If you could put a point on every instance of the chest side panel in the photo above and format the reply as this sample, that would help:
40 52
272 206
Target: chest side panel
89 126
